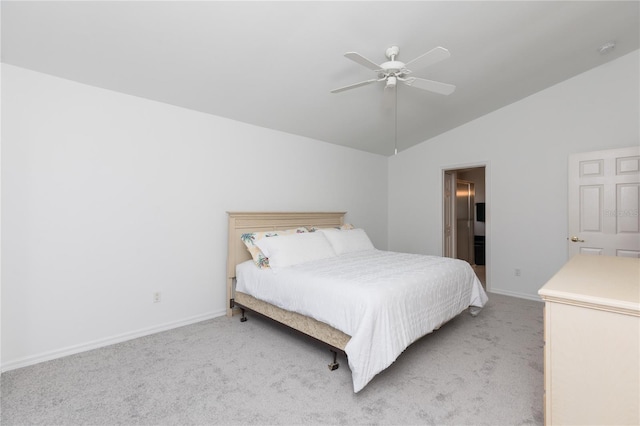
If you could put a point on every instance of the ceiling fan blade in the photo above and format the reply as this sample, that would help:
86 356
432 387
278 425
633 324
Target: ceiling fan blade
356 57
353 86
430 85
433 56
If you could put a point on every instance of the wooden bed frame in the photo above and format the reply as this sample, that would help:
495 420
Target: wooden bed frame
244 222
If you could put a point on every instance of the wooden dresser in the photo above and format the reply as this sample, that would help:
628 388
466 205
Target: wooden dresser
592 342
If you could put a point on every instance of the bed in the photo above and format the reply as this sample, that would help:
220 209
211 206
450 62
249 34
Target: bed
368 304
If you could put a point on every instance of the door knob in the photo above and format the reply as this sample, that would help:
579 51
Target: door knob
575 240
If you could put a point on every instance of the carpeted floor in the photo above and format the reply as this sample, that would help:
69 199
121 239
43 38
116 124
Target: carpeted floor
486 370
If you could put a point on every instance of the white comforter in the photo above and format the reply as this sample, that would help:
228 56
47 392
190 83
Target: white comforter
384 300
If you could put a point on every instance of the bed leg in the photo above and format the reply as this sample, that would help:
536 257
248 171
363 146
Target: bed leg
334 365
243 318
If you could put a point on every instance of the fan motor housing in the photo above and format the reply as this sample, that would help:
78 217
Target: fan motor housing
393 68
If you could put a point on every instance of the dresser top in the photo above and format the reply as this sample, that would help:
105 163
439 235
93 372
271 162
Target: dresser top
606 282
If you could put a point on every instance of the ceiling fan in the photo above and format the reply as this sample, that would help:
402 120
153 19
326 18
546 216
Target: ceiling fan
393 71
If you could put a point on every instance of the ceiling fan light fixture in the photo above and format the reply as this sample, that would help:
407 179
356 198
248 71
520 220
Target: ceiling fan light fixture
391 82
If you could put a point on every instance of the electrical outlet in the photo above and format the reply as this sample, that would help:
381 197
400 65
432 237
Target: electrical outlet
517 272
157 297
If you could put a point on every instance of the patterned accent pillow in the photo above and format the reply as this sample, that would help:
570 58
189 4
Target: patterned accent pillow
250 239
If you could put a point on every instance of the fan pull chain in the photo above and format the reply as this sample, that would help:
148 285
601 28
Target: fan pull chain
395 151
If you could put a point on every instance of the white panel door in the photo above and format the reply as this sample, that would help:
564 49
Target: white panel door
604 199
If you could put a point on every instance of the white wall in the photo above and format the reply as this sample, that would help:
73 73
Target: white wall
526 147
108 198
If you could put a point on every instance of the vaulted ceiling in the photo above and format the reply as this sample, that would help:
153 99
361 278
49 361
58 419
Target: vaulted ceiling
273 64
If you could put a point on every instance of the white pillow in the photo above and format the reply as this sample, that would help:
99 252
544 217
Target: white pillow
347 241
288 250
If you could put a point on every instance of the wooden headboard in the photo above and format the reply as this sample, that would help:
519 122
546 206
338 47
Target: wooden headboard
244 222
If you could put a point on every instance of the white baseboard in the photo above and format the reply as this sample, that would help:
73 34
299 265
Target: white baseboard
535 297
95 344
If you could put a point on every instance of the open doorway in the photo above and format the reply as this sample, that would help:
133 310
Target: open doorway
464 217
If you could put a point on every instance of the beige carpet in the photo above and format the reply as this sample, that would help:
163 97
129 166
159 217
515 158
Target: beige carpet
486 370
